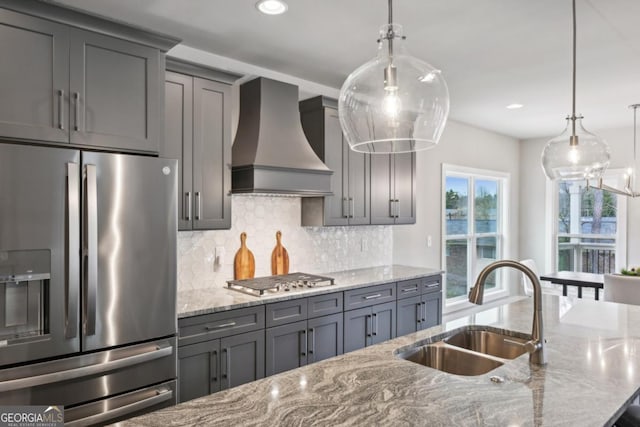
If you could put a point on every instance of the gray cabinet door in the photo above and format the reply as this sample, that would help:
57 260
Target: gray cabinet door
409 315
382 192
404 177
358 182
287 347
34 78
357 329
336 207
178 139
198 370
242 359
432 309
115 93
325 337
383 322
211 154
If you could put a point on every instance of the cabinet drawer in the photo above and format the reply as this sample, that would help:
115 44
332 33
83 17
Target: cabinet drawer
322 305
431 284
217 325
409 288
281 313
365 297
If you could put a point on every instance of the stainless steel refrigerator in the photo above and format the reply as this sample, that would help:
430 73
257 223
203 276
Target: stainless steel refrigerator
87 281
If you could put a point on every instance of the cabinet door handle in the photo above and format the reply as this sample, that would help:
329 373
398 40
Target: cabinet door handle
391 210
433 285
367 325
198 205
419 312
303 343
61 109
313 341
214 366
397 208
76 97
225 367
374 322
187 207
373 296
424 311
352 210
345 212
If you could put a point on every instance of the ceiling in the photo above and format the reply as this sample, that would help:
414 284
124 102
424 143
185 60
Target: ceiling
491 52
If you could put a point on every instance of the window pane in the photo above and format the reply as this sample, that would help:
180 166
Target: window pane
486 206
589 255
456 201
582 211
456 261
486 251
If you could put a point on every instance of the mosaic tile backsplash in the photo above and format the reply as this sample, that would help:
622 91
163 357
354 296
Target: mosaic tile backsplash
311 249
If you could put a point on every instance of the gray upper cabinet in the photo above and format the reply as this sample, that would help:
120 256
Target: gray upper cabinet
393 188
34 78
68 85
115 93
198 134
349 204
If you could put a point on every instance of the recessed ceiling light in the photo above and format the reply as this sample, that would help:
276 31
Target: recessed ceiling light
514 106
271 7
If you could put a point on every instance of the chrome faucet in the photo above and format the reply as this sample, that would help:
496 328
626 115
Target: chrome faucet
536 346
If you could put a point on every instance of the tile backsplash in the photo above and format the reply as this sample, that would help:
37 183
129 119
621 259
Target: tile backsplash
311 249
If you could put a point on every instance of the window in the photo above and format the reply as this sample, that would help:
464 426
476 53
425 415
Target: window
469 246
589 225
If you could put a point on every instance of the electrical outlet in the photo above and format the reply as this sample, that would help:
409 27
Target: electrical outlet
364 245
429 241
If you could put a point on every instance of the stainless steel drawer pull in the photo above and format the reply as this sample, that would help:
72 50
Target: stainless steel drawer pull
410 289
224 325
433 285
373 296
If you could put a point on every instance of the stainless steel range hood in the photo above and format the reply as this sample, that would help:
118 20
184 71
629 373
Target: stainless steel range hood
271 153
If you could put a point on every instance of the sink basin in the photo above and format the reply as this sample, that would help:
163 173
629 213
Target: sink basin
449 359
487 342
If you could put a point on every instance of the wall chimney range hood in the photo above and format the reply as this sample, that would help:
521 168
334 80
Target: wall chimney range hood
271 153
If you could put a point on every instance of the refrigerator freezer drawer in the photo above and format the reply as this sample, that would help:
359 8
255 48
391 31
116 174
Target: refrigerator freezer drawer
123 406
74 380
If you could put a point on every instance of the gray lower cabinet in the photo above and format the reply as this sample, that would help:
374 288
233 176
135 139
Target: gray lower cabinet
370 325
393 188
419 304
198 134
349 204
297 344
68 85
218 364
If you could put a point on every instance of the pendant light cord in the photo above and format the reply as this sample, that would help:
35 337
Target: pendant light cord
573 108
390 33
635 129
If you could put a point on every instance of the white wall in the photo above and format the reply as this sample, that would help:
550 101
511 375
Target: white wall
461 145
533 215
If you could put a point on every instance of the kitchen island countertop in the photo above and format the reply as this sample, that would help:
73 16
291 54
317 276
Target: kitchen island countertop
593 372
215 299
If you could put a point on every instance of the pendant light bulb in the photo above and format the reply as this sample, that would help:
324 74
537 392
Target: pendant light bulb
394 103
575 154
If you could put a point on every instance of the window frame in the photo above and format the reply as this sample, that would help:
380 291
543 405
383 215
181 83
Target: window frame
502 226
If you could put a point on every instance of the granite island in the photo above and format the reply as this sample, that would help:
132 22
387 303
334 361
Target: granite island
593 373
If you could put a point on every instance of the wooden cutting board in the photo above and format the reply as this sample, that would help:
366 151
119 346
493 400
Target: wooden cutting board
244 265
279 257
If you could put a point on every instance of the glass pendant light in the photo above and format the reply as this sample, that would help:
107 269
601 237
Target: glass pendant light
394 103
576 153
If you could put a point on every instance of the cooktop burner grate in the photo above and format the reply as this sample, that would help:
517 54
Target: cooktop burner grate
283 283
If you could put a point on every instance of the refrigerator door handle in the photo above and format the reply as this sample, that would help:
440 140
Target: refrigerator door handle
157 352
90 250
73 249
162 394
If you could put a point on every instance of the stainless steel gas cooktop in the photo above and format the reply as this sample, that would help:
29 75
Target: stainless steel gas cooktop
260 286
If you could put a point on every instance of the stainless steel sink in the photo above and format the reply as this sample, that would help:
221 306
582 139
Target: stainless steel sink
450 359
471 350
492 343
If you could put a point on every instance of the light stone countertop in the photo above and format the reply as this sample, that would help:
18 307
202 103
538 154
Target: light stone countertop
205 301
592 374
